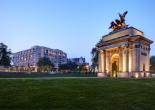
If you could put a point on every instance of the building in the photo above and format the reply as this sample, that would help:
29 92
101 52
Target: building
30 57
81 62
78 61
124 52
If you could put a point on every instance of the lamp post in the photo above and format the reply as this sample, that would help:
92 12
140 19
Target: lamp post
29 69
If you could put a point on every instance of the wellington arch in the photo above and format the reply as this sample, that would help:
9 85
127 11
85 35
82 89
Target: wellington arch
124 52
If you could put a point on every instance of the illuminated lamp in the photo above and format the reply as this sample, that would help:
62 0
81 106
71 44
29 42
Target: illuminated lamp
136 75
101 75
119 25
142 74
147 74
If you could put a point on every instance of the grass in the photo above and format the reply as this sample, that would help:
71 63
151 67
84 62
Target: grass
36 75
78 94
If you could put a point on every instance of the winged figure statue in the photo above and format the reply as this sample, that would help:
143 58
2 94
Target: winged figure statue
119 23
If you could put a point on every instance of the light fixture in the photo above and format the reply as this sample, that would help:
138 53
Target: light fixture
147 74
136 75
100 75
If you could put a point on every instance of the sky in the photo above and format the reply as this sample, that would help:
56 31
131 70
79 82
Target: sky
74 26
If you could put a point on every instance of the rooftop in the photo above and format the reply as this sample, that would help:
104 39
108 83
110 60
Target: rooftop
129 31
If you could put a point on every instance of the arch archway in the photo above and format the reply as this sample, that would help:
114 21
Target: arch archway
115 65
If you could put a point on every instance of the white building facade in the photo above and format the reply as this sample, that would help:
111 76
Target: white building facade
31 56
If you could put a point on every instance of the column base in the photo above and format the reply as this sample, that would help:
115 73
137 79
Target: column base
101 75
141 74
123 75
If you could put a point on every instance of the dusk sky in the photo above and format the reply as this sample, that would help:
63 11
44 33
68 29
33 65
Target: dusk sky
74 26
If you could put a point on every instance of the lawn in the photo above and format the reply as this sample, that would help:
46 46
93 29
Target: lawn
40 75
78 94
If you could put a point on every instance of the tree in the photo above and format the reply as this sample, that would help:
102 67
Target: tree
152 61
45 64
5 58
63 67
94 59
85 67
70 66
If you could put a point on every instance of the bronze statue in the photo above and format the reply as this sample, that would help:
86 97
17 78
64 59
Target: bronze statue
118 24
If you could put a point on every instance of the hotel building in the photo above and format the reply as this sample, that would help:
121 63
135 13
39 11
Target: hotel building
30 57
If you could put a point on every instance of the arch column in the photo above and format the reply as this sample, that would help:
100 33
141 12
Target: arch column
138 52
104 61
148 59
108 58
120 59
100 61
127 59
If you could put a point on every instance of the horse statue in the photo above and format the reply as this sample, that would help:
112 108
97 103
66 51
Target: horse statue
119 24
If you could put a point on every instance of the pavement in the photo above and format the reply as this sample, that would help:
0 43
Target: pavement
153 75
49 78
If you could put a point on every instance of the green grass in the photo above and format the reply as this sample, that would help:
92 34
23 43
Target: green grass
78 94
36 75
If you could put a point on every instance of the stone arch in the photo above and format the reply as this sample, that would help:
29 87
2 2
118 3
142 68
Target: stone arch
114 64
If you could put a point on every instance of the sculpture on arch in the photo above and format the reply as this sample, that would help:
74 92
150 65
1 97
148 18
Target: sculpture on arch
118 24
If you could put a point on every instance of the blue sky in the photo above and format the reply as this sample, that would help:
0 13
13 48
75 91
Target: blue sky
74 26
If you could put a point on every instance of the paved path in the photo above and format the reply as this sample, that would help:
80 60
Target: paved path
48 78
153 75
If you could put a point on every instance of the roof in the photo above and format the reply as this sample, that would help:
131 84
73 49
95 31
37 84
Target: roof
124 33
115 31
